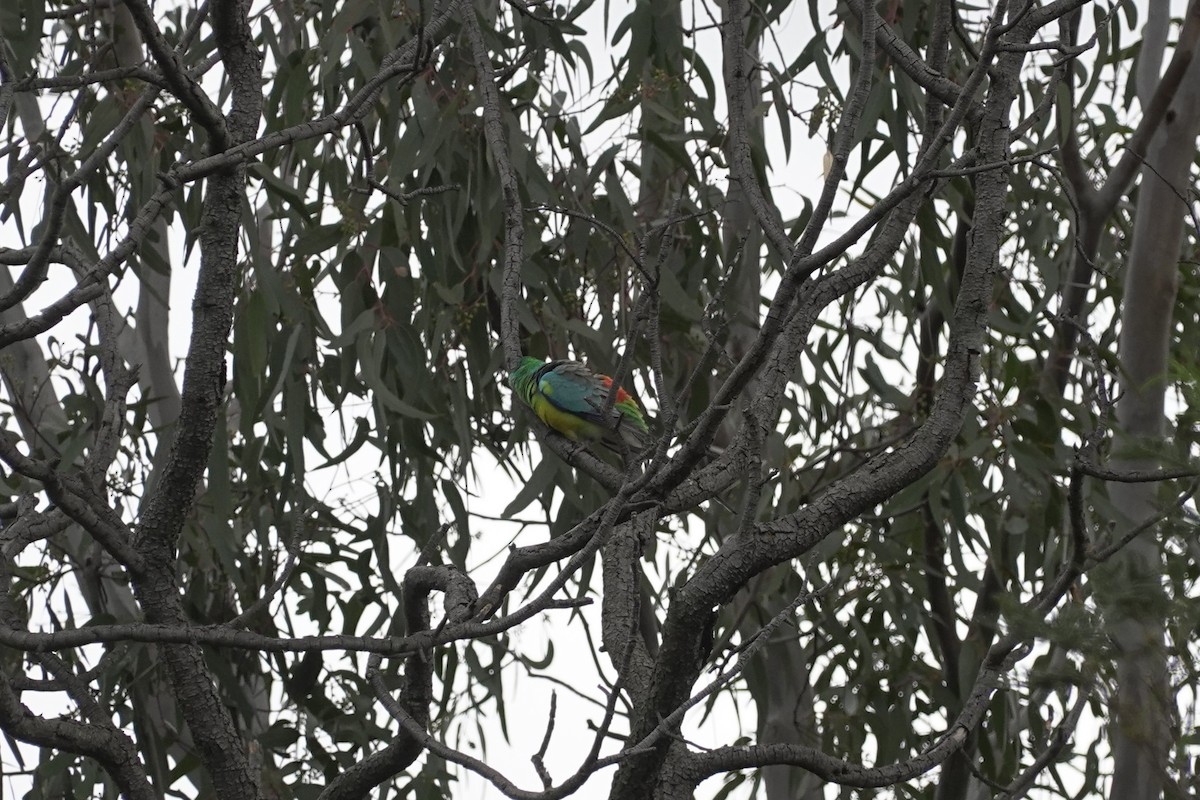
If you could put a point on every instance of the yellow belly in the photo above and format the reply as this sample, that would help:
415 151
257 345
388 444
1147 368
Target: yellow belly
567 424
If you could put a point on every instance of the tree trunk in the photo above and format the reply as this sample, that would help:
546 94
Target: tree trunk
1134 599
783 697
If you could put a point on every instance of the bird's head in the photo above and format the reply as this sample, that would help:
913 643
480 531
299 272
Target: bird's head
521 378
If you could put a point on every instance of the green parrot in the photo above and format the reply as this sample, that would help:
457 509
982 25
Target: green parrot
568 397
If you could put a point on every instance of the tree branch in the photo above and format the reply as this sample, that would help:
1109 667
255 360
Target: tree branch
183 86
114 752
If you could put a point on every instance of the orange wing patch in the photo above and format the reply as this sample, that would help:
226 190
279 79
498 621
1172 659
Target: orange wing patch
622 395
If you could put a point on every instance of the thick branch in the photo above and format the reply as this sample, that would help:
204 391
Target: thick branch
114 751
167 506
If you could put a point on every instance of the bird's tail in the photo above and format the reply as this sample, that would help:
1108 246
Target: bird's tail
628 437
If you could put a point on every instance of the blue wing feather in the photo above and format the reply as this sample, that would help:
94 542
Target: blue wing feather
572 388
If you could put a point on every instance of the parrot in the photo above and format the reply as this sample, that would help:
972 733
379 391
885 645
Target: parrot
568 397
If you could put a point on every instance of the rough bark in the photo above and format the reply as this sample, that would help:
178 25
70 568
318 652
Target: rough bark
783 695
165 510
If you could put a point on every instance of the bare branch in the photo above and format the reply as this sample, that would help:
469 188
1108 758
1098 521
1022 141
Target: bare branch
737 85
1099 556
183 86
844 138
539 762
113 750
35 270
915 67
73 83
1059 739
78 503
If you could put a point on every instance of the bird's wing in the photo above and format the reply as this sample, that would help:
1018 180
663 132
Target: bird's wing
575 389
